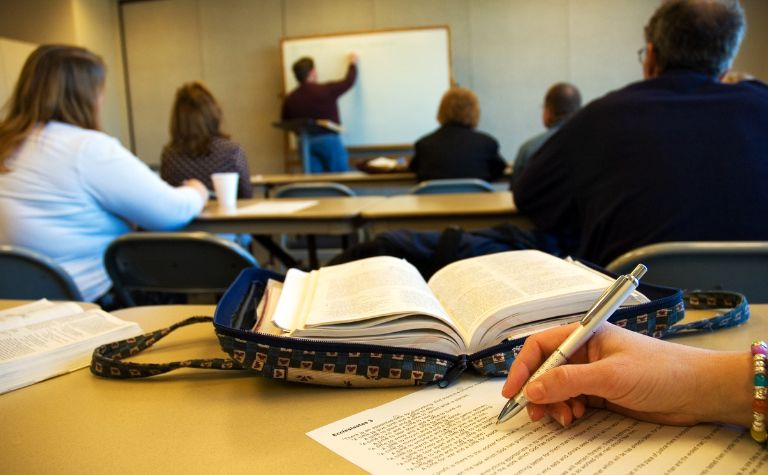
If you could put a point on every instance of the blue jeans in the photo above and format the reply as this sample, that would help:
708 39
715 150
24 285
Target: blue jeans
327 154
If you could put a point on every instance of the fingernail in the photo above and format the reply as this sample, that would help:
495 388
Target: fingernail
534 391
530 411
561 419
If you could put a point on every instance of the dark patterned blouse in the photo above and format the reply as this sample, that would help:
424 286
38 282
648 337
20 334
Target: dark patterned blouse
223 155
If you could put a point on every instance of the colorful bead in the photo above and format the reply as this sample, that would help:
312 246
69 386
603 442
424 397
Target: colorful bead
759 436
759 346
759 350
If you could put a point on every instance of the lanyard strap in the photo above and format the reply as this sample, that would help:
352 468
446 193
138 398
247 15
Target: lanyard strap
108 360
734 304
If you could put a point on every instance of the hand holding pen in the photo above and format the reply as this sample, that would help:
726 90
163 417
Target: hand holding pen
603 308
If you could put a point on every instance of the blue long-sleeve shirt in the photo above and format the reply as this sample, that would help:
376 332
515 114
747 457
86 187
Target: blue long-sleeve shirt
71 191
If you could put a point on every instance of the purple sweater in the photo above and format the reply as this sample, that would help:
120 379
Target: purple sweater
318 101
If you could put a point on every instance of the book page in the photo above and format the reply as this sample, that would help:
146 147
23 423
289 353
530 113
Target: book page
454 431
378 286
39 338
472 289
36 312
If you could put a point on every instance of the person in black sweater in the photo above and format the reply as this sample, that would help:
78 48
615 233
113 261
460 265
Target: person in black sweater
456 149
679 156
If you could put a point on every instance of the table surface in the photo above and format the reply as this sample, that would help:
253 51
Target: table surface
346 177
330 215
200 420
469 211
325 208
499 202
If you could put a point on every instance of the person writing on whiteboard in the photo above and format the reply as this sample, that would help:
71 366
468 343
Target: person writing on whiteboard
456 149
66 188
318 101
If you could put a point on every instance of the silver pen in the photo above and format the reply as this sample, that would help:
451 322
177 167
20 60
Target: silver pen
603 308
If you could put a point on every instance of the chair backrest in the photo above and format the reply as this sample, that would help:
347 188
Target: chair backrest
25 274
184 262
313 190
741 266
453 185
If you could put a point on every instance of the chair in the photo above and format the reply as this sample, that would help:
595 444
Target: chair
453 185
741 266
28 275
190 263
328 243
313 190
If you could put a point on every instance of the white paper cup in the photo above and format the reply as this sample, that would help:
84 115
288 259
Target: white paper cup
225 186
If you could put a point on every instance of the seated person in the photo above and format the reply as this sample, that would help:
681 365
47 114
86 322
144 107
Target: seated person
560 103
655 161
456 149
198 147
649 163
66 188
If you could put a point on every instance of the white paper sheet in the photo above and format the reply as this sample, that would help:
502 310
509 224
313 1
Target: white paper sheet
453 431
274 207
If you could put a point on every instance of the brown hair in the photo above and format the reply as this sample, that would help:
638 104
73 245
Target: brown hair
57 82
459 106
302 67
195 120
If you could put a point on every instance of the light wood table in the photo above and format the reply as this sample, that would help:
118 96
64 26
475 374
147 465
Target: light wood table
361 183
364 184
200 421
332 215
436 212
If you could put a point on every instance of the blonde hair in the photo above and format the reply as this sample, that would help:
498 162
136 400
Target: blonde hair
195 120
57 82
459 105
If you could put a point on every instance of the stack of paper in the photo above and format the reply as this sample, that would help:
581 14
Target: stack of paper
44 339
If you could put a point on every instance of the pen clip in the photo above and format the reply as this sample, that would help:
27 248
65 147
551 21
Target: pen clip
633 278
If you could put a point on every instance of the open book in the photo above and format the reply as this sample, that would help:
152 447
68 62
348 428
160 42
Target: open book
467 306
44 339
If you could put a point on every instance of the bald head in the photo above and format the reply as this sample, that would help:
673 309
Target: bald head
560 103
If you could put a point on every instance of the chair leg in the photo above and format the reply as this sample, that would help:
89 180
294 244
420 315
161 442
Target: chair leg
312 250
277 251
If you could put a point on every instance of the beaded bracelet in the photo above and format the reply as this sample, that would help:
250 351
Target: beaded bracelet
759 354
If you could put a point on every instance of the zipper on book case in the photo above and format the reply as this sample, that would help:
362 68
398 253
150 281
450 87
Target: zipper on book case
456 370
310 344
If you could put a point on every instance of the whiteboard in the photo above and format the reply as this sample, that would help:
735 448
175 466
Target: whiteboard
402 74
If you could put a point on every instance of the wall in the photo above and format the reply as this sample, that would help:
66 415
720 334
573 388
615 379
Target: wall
508 51
89 23
754 50
13 54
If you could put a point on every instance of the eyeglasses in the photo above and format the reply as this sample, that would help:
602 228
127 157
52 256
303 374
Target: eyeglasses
641 54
